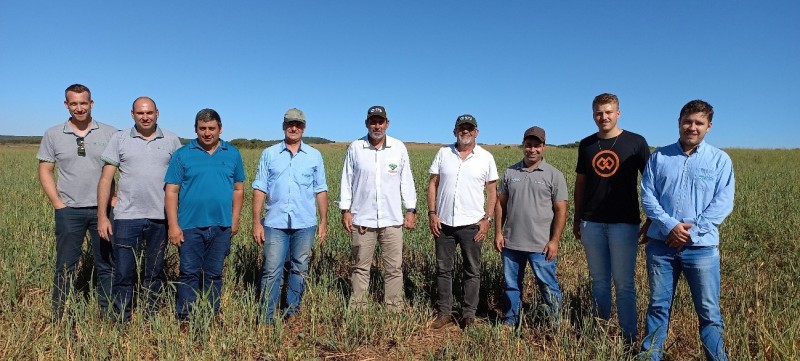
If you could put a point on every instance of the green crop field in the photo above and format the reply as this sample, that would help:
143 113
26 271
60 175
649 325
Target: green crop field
760 250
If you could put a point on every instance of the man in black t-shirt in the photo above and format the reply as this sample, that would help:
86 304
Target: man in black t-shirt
607 210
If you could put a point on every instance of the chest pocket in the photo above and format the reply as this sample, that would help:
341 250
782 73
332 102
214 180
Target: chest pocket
704 178
391 166
304 178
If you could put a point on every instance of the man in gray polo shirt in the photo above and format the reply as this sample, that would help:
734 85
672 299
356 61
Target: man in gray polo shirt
142 155
76 147
531 213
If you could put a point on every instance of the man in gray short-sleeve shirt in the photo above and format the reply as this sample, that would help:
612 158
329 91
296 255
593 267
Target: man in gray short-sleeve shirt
531 213
76 147
142 154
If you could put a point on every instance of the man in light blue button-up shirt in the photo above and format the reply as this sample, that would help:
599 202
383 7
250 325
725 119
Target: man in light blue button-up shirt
290 180
687 191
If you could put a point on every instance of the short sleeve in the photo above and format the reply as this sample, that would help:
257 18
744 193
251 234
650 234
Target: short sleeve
46 151
111 153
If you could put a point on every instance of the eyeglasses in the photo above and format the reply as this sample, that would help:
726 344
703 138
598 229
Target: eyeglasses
81 146
465 127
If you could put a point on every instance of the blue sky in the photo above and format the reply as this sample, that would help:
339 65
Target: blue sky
511 64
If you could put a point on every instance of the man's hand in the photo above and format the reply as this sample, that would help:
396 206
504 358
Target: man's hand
499 242
176 236
550 250
409 220
104 228
576 230
679 236
322 232
347 221
435 225
234 227
483 227
258 233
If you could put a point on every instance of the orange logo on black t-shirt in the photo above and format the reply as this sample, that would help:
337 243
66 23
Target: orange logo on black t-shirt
605 163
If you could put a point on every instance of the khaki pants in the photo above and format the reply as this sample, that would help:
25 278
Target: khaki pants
391 241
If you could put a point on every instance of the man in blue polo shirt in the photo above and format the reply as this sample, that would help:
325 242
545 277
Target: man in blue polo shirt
142 154
203 199
76 147
687 191
289 180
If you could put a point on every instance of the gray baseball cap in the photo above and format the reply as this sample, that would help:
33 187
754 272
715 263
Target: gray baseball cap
294 115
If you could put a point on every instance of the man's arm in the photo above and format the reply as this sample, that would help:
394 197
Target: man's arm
103 197
577 196
175 233
434 224
556 229
500 221
48 182
346 191
677 232
322 206
238 200
408 191
491 200
721 203
259 197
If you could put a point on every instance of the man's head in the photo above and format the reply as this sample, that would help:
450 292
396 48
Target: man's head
694 122
377 122
605 110
294 124
145 115
466 129
208 126
79 102
533 145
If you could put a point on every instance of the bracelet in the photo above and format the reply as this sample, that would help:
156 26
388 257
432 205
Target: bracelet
431 213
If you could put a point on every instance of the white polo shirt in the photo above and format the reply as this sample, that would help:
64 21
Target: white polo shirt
460 194
374 181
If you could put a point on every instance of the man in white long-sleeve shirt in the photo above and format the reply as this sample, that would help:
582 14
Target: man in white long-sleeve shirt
375 178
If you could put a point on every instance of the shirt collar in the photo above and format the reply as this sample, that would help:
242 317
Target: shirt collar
368 145
455 149
521 166
698 150
68 130
136 134
195 144
301 149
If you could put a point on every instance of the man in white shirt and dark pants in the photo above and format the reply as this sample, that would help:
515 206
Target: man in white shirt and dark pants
375 177
460 174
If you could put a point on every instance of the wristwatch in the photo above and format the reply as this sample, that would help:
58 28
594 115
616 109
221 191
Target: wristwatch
411 210
488 219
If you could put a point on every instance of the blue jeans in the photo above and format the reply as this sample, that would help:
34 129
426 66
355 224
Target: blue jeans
202 257
514 263
700 266
71 227
611 250
280 246
140 242
445 260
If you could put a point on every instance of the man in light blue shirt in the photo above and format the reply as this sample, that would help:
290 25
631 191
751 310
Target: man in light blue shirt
289 179
687 191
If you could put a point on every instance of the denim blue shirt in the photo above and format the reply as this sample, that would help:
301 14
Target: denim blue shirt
206 183
696 189
291 183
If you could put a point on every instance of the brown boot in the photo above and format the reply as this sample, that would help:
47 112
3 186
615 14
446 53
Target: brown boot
441 321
